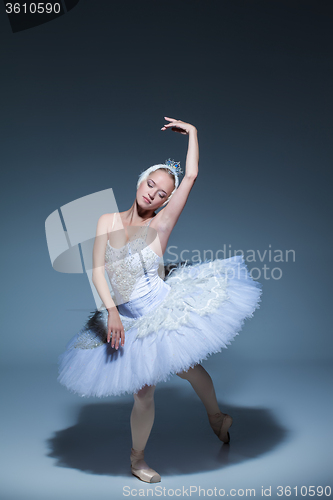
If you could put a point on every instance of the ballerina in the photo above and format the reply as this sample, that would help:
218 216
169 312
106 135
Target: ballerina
152 326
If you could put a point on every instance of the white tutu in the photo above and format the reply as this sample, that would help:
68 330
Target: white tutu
195 312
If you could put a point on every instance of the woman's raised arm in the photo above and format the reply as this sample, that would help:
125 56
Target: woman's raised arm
171 213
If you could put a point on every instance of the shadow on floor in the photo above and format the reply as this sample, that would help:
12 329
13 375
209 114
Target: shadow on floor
181 441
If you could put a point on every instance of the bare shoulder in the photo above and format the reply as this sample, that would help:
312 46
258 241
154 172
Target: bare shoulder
105 218
104 223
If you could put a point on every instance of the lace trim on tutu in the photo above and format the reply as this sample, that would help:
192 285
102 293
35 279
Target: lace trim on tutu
198 288
93 334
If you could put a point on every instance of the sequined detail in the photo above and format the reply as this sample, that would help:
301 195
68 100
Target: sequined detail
88 340
94 334
127 265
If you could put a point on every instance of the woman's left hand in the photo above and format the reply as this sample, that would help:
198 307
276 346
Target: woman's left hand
178 126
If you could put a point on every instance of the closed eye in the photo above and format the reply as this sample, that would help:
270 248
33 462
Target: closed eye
151 185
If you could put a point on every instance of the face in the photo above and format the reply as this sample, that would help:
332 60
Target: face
156 189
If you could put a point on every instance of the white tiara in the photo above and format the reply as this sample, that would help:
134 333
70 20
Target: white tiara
174 166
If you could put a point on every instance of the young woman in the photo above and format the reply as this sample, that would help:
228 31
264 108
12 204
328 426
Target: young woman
154 326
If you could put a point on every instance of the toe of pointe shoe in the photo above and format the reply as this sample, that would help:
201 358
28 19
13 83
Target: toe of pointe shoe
146 475
224 434
220 424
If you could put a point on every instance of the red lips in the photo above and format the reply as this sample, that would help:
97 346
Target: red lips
146 199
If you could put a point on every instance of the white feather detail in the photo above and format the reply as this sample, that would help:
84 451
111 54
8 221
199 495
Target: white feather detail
199 288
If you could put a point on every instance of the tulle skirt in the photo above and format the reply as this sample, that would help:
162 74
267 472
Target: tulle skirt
197 311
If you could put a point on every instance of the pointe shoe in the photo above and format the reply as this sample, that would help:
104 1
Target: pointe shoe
220 423
148 475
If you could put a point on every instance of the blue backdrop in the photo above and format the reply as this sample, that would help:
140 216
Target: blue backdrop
83 99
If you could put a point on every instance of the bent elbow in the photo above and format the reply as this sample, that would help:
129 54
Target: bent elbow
192 176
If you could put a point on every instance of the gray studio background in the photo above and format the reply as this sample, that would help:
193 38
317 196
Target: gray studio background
82 103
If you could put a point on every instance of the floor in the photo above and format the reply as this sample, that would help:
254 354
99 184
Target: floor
58 446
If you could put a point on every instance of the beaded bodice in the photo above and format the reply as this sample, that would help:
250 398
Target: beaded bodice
132 269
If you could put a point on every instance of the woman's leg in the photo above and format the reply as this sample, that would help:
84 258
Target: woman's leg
202 383
203 386
142 419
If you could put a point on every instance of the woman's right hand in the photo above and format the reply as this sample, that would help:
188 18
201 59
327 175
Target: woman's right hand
116 328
